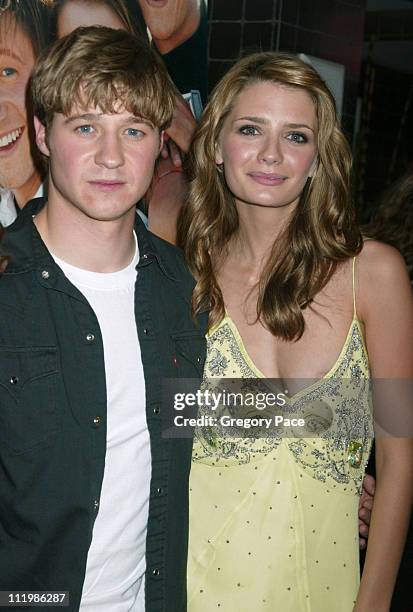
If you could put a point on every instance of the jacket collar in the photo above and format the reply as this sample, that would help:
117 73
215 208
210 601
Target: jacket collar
27 251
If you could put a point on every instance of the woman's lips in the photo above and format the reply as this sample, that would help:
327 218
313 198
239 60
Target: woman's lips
9 140
264 178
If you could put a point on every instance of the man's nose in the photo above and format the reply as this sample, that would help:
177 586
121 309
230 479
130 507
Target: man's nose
109 151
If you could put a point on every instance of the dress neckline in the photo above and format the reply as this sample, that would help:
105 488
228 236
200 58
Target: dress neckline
354 323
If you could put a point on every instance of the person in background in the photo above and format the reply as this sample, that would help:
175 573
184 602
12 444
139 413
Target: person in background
295 296
70 14
179 31
23 34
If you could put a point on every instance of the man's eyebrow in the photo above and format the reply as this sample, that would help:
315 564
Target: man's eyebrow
263 121
98 116
83 117
10 53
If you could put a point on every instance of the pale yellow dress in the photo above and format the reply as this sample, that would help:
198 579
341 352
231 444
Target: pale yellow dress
274 519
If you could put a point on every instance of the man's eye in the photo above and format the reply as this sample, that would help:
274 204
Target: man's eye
249 130
297 137
8 71
134 133
84 129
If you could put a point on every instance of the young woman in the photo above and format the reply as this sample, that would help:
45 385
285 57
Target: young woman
294 295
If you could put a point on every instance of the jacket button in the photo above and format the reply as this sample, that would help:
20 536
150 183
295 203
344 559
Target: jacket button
45 274
96 504
146 331
90 337
144 256
198 359
14 380
156 572
159 490
156 410
97 421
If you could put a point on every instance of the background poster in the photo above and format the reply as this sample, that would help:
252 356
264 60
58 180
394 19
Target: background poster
177 30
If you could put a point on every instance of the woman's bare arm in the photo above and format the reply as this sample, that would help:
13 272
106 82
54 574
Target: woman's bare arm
385 304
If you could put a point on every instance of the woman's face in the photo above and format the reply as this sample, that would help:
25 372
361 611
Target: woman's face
268 144
16 63
77 13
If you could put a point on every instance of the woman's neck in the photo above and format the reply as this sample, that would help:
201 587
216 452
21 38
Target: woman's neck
258 230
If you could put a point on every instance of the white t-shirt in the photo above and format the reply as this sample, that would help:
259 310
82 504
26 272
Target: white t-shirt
114 580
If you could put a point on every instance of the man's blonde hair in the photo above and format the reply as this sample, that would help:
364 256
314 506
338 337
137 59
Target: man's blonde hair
106 68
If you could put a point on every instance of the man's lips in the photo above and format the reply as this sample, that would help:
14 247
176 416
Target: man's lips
267 178
9 139
107 185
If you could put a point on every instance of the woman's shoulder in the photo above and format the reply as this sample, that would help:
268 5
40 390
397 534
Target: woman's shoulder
379 261
381 276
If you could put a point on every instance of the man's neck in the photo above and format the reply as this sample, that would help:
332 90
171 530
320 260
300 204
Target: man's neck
97 246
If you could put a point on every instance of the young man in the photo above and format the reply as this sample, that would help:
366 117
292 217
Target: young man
95 313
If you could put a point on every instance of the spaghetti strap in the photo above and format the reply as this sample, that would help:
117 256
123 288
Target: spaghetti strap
354 289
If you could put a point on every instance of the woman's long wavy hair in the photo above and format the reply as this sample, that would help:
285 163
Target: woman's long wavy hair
321 231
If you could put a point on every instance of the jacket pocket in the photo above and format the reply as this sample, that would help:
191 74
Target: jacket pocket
27 397
191 345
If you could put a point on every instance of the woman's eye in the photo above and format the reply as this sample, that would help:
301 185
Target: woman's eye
249 130
297 137
8 71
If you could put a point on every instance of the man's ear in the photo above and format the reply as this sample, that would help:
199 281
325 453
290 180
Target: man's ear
161 139
41 139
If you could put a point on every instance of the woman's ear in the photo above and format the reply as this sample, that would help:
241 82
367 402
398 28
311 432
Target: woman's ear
218 156
41 138
313 167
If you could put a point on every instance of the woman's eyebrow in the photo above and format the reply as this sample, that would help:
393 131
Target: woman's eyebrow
263 121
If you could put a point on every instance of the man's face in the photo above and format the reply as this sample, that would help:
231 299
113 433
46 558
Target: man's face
16 63
100 164
165 17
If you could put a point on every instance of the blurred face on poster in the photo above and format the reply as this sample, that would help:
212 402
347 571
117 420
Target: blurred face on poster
17 169
75 13
170 22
